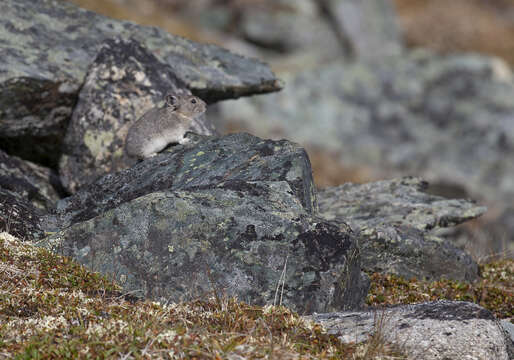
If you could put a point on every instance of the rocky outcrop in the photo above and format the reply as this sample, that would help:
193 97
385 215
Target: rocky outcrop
206 164
395 220
445 119
123 82
233 214
428 331
47 47
252 240
238 201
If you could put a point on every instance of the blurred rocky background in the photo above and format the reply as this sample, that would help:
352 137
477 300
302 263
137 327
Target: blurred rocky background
373 90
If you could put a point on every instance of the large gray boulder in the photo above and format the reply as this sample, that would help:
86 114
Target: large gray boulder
123 82
47 47
252 240
446 119
201 165
234 214
395 220
427 331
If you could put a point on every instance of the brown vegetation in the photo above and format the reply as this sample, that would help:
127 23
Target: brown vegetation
460 25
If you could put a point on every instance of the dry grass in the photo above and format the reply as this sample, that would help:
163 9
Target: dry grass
53 308
494 290
460 25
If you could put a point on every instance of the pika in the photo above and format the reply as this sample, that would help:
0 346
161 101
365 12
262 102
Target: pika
159 127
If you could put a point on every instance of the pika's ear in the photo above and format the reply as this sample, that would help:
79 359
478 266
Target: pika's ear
171 100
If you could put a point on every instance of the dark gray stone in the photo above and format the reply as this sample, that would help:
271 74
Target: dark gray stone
231 214
394 220
203 165
123 82
47 47
429 331
19 217
33 183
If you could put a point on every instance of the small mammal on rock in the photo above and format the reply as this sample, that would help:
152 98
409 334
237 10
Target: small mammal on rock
159 127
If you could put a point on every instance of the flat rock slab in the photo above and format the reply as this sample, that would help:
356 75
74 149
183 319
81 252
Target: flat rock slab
204 165
123 82
427 331
47 47
400 201
253 240
394 219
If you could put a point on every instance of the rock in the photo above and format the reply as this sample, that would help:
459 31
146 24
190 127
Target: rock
368 28
401 202
508 329
233 214
433 330
19 217
394 219
446 119
48 47
204 165
288 34
235 239
289 30
33 183
123 82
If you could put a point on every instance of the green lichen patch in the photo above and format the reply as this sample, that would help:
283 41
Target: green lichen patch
494 290
52 308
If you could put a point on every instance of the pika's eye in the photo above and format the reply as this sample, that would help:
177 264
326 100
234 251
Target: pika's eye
193 101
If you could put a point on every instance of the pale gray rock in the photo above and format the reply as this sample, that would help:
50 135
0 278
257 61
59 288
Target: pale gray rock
395 220
508 329
123 82
368 28
426 331
290 31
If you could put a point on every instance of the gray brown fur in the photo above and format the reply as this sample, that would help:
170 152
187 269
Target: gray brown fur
162 126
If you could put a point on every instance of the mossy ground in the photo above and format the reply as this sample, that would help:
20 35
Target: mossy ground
494 291
53 308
